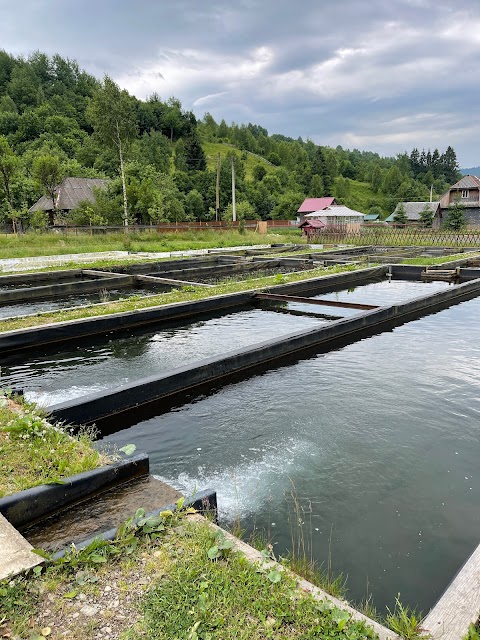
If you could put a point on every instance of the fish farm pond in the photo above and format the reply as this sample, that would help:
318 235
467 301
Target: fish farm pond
366 447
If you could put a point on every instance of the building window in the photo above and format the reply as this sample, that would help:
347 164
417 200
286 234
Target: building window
464 193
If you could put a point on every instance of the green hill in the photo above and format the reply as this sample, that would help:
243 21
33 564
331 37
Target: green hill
212 149
362 197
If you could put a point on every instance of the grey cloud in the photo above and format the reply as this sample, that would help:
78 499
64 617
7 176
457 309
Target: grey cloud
333 71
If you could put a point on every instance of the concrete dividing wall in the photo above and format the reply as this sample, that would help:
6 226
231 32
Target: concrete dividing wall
43 276
66 289
174 386
32 338
26 507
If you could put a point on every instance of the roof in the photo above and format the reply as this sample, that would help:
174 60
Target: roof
336 210
412 209
467 182
70 193
371 216
315 204
317 224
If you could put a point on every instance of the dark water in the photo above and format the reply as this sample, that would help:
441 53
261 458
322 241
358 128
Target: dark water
65 302
61 373
55 374
379 440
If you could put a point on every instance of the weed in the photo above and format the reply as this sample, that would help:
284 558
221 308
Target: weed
405 621
473 632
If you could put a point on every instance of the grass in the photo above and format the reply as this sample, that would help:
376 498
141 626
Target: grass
186 294
440 259
46 244
212 149
362 196
169 585
33 452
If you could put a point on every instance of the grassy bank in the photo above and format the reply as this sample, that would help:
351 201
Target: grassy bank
33 452
173 577
184 295
48 244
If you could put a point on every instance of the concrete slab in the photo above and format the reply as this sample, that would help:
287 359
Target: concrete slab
15 552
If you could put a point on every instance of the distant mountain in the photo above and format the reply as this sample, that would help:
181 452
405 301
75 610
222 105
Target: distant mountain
472 171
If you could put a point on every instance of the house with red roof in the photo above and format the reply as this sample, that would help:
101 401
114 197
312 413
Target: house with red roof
310 205
467 193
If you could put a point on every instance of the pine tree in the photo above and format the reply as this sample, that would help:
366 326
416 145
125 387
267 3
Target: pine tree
400 215
455 219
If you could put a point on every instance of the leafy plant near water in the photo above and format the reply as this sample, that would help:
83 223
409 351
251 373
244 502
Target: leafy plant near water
405 621
227 597
34 452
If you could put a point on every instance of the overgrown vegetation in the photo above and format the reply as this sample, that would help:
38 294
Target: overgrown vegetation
34 452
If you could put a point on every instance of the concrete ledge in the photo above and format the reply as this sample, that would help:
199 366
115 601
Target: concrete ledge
459 606
203 501
25 507
16 554
98 406
42 276
257 558
66 289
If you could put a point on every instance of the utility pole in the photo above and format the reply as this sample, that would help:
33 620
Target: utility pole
217 199
431 192
234 209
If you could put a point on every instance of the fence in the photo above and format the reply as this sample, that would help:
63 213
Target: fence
171 227
397 236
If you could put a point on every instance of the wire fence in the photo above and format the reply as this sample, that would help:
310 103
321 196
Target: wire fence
397 237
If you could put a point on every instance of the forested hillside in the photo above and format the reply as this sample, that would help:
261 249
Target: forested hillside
56 121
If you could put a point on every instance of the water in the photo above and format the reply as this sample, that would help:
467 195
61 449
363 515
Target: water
16 309
58 373
380 292
379 441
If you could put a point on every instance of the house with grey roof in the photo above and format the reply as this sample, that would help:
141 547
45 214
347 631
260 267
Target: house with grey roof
413 209
70 193
467 193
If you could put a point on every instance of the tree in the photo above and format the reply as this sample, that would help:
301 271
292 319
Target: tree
258 172
244 211
400 215
112 115
194 204
8 169
48 172
426 216
455 219
316 186
194 154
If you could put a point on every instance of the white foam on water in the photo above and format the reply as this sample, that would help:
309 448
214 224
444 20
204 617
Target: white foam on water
247 487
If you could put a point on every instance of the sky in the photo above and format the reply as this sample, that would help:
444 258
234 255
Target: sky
377 75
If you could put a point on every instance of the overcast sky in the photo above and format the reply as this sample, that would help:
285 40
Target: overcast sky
380 75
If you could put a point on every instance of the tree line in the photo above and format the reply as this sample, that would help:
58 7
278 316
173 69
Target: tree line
56 120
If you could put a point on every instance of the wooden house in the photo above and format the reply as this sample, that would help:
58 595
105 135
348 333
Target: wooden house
465 192
69 194
413 209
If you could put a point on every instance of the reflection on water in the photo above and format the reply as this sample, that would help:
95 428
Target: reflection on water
57 375
379 440
25 307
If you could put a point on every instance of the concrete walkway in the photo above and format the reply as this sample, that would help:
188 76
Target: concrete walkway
40 262
15 552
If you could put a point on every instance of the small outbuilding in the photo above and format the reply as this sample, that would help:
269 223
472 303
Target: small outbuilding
337 215
311 227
